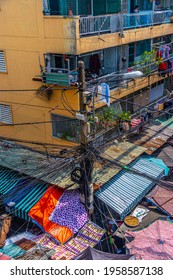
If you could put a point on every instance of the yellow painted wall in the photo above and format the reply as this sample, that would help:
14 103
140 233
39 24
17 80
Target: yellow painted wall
98 42
25 36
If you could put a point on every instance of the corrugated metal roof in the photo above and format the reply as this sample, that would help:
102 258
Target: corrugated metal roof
124 191
166 122
41 167
35 164
153 137
125 152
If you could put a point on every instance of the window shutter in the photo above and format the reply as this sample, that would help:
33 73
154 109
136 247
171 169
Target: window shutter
5 114
2 62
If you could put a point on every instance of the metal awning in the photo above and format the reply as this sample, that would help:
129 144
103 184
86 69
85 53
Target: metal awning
35 164
23 207
17 189
125 190
8 180
125 152
153 137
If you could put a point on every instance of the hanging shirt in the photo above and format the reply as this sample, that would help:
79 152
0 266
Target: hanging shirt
167 52
160 53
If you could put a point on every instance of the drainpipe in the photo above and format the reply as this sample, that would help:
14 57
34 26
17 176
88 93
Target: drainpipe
92 8
77 8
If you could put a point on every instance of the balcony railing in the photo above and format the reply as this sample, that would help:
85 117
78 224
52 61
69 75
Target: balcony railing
150 67
93 25
59 76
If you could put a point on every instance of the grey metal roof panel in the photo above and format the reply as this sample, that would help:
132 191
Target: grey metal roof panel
125 190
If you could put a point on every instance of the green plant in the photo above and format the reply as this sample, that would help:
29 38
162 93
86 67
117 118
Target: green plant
107 117
148 61
64 135
109 114
125 116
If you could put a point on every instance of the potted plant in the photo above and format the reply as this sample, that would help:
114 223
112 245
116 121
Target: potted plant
148 62
124 119
64 135
107 118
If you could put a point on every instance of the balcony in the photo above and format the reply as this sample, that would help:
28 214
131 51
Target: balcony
56 78
149 68
59 76
78 35
93 25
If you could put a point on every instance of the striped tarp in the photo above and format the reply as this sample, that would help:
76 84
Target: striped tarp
22 208
125 190
8 180
21 191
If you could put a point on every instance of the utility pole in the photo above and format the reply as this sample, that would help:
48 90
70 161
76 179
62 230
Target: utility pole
82 104
86 165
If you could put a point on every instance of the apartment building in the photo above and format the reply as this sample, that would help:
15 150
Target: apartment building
41 42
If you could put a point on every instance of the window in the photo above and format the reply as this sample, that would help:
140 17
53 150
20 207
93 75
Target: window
144 5
60 62
3 67
137 49
156 91
5 114
66 128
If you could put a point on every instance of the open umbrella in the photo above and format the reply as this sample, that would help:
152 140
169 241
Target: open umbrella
167 156
152 243
162 197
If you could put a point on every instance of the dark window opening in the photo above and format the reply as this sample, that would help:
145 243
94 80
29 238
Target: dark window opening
66 128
